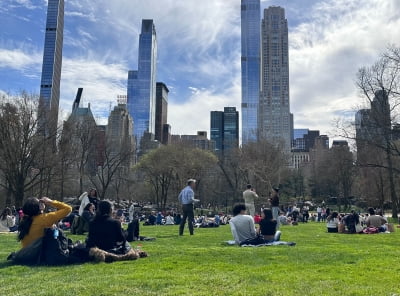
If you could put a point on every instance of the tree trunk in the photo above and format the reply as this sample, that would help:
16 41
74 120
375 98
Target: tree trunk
395 202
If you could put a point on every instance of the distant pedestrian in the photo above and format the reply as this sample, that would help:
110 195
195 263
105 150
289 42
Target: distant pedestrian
249 195
186 198
319 212
274 200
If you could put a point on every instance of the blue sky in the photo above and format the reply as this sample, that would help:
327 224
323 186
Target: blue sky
198 53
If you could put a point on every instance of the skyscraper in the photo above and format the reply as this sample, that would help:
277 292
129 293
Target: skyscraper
250 63
274 116
51 69
161 110
217 129
224 129
119 133
142 83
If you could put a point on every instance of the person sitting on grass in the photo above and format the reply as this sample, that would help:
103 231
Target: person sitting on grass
242 225
351 220
35 220
376 221
7 221
169 220
106 240
87 216
333 222
268 227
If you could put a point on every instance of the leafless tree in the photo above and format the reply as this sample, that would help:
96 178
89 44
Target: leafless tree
21 147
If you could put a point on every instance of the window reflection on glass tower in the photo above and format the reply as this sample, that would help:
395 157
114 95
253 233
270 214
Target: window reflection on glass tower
250 26
51 68
142 83
274 117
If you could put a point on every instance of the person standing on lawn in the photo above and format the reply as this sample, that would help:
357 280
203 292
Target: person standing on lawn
274 200
249 195
186 198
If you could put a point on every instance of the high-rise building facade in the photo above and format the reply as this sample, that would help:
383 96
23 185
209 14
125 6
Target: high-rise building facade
373 128
224 129
51 69
141 91
274 110
161 110
217 130
231 128
250 64
119 134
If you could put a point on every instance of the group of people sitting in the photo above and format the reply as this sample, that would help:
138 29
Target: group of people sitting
245 233
352 223
106 240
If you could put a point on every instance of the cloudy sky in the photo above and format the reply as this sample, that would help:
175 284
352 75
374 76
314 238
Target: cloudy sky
198 53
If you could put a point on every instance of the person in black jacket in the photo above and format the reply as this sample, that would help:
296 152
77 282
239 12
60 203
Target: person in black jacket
105 232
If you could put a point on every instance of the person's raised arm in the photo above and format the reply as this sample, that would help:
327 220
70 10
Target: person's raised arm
62 210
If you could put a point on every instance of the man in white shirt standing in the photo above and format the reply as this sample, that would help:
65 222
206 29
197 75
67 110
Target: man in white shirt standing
186 198
249 195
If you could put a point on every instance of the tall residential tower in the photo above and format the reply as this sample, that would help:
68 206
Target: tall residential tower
250 27
142 83
51 69
274 110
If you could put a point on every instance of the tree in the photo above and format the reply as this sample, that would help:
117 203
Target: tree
21 147
107 172
170 166
380 87
265 164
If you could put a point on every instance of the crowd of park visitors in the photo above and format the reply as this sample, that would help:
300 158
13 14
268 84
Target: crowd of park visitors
39 223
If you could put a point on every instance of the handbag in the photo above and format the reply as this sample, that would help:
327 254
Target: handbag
359 228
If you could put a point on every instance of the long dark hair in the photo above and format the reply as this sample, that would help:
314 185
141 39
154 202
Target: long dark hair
90 191
268 214
30 209
6 212
103 209
333 216
88 206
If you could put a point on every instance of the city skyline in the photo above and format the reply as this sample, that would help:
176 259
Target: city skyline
199 55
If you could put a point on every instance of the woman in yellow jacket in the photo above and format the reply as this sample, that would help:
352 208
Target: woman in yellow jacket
35 220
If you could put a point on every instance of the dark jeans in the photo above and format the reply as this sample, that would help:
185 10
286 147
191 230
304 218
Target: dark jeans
133 230
187 214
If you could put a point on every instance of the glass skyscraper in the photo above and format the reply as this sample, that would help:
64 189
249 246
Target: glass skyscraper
250 29
51 69
274 117
224 129
142 83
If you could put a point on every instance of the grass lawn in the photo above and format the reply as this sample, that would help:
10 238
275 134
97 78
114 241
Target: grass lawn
320 264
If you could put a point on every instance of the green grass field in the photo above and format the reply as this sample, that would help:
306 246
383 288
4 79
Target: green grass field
320 264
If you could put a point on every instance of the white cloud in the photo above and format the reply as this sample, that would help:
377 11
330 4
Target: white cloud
17 59
199 53
101 84
326 52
